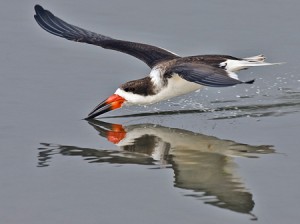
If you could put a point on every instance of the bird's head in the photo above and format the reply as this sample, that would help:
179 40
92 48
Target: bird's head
134 92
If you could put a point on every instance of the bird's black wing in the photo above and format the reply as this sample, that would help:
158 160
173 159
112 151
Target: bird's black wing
210 59
204 74
151 55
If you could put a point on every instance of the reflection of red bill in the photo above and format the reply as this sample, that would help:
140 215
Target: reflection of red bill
116 134
111 103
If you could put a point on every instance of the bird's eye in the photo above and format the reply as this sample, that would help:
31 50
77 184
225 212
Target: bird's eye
129 89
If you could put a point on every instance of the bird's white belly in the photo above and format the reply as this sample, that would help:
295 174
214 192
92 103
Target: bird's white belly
176 87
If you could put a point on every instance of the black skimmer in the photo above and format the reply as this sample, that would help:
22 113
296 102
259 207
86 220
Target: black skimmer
171 75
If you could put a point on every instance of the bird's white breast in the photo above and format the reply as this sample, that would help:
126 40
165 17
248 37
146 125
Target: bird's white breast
176 86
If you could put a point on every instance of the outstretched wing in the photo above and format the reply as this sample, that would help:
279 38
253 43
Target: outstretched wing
151 55
204 74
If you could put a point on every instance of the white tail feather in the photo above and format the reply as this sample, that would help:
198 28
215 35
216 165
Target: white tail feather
236 65
256 58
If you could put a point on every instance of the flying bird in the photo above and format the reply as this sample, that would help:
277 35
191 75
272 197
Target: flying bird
171 75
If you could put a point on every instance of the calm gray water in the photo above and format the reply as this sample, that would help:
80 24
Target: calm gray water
229 156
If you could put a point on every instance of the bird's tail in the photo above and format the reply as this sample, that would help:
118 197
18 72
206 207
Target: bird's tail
257 58
244 63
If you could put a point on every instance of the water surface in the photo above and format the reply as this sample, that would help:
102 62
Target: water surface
216 156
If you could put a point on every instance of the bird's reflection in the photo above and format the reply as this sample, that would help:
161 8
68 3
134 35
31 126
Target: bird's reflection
203 164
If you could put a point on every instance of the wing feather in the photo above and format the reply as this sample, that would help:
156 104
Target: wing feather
149 54
204 74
